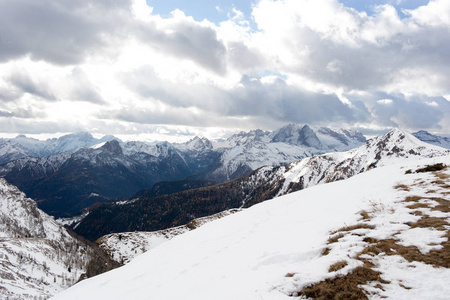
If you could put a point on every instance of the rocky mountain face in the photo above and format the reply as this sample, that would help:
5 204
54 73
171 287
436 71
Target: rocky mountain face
427 137
156 213
38 257
67 182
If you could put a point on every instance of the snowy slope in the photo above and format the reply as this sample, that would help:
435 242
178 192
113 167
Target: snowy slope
37 256
124 247
274 249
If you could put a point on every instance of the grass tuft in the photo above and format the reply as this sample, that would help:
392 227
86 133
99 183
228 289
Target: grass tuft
326 251
432 168
429 222
337 266
335 238
402 187
344 287
354 227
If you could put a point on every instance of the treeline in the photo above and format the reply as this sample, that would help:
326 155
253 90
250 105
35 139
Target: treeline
165 211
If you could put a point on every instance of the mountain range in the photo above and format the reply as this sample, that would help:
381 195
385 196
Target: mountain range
84 174
146 213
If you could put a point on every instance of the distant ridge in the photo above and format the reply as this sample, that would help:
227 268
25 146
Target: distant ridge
85 171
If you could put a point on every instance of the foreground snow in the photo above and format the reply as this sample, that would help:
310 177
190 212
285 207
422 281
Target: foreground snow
273 249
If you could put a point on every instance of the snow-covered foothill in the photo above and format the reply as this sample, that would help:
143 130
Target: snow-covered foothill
38 258
274 249
125 246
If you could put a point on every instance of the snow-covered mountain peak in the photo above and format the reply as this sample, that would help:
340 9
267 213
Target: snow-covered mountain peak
296 135
196 144
113 147
398 143
243 138
390 148
164 149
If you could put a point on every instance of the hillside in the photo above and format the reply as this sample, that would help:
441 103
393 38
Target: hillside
38 257
157 213
383 233
125 246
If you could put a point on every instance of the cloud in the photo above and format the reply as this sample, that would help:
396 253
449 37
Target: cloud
62 32
182 37
337 46
117 66
82 89
23 81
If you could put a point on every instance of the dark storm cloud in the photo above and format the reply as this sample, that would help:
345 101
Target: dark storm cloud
58 31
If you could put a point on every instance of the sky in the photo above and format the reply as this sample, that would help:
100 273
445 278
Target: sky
173 69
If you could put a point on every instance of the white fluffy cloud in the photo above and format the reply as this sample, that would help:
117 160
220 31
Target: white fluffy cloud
116 67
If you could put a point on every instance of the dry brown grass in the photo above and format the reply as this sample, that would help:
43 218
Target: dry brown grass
402 187
335 238
413 199
429 222
337 266
436 257
443 205
432 168
418 205
354 227
365 215
442 175
344 287
439 182
326 251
